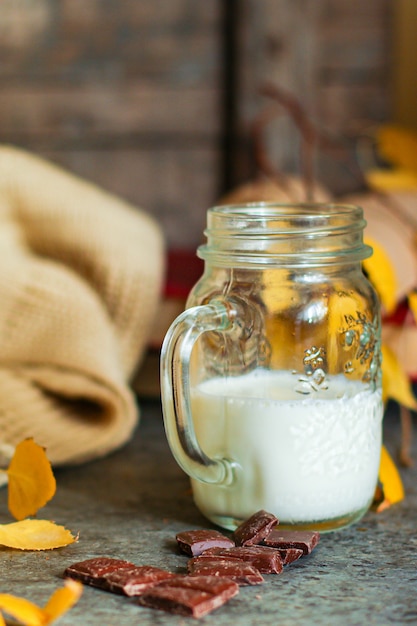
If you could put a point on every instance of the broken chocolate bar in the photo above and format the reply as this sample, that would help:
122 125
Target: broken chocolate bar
289 555
305 540
267 560
136 580
253 530
93 571
239 571
194 542
190 595
116 575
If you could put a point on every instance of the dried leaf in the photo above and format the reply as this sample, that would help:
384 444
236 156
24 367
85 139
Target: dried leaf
397 179
33 534
398 145
395 382
30 614
63 599
391 483
22 610
381 273
31 480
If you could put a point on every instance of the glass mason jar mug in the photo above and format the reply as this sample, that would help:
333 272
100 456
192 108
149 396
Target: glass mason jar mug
270 379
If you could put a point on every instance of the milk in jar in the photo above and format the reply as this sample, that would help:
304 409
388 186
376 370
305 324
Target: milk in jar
301 458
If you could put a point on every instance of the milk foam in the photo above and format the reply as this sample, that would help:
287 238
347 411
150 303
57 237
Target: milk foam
304 458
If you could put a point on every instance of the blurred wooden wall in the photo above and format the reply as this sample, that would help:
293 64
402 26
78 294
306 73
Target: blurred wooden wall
154 100
404 65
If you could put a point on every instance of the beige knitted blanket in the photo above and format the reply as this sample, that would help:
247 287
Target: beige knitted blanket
80 278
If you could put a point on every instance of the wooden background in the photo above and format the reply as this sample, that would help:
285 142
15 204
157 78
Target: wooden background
154 100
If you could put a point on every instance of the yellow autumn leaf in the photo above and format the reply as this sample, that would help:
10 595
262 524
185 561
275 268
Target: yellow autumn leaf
31 480
390 479
34 534
29 614
398 145
395 382
22 610
381 273
63 599
396 179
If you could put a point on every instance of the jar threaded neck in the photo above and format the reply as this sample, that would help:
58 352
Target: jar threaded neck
284 234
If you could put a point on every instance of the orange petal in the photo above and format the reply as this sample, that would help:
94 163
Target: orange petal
31 480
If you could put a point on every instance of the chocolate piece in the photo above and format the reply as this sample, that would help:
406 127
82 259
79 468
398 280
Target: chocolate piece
194 542
241 572
267 560
211 584
305 540
190 595
290 555
252 531
134 581
93 571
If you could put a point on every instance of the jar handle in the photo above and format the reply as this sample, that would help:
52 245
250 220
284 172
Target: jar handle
175 390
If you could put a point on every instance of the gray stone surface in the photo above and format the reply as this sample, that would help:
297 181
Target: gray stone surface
131 505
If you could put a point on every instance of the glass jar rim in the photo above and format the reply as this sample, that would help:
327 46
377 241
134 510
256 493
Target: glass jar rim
291 233
316 214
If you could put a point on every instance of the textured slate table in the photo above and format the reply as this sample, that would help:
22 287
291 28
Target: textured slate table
131 505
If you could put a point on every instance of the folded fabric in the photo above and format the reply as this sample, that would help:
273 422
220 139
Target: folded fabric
80 279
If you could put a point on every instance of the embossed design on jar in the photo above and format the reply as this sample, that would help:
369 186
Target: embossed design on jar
314 362
362 336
